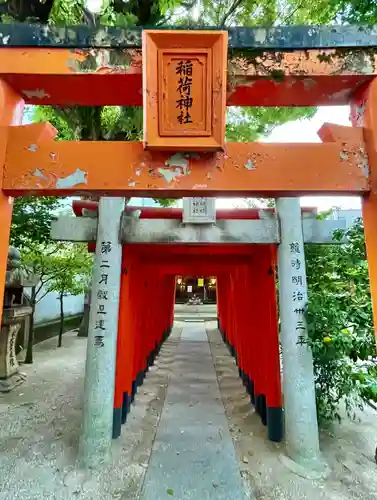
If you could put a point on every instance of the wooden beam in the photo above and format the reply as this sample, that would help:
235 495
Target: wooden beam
113 76
240 38
38 166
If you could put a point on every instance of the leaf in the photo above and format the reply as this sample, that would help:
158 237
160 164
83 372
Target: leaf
340 306
61 267
170 492
31 220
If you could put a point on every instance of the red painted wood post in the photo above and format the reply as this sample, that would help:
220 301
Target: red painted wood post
275 422
151 320
163 310
11 112
239 331
154 316
146 313
248 328
224 309
244 319
249 324
154 297
160 307
170 301
265 335
230 328
228 306
218 303
124 362
138 330
220 291
256 333
224 290
261 320
364 114
130 343
172 292
227 312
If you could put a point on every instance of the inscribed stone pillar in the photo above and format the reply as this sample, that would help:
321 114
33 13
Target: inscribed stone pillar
301 427
95 439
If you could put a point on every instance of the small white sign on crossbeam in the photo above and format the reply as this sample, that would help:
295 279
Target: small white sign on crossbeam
199 210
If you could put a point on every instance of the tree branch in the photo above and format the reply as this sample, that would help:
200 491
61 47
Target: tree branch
230 12
89 18
37 290
292 13
41 297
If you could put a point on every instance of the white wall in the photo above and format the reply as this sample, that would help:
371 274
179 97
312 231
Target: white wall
48 309
349 216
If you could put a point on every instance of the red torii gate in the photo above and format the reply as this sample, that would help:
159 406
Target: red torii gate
150 270
293 66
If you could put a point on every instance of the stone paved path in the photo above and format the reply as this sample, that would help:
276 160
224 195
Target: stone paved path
193 457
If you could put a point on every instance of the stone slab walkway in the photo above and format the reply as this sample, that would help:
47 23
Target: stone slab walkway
193 457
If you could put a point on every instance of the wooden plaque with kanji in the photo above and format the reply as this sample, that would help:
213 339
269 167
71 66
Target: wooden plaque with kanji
184 90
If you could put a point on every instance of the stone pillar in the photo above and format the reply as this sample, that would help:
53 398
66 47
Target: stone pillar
301 427
10 375
96 435
13 314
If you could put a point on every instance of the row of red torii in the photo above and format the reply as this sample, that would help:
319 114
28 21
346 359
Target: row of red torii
185 79
239 246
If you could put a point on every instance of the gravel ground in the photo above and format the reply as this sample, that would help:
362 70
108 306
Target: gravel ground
40 425
349 450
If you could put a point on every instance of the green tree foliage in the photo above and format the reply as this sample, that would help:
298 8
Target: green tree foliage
125 123
31 221
71 276
26 10
60 267
249 124
341 325
329 11
358 11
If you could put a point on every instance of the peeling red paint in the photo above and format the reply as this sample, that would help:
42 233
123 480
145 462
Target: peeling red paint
69 76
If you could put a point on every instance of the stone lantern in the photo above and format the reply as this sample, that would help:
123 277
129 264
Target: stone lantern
14 313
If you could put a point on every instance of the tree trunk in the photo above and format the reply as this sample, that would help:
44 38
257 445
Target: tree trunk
61 329
30 340
84 326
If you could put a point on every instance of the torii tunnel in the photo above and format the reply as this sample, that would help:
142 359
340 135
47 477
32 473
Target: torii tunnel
185 155
246 310
237 271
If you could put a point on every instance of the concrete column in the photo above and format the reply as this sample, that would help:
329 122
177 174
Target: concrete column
96 435
301 427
